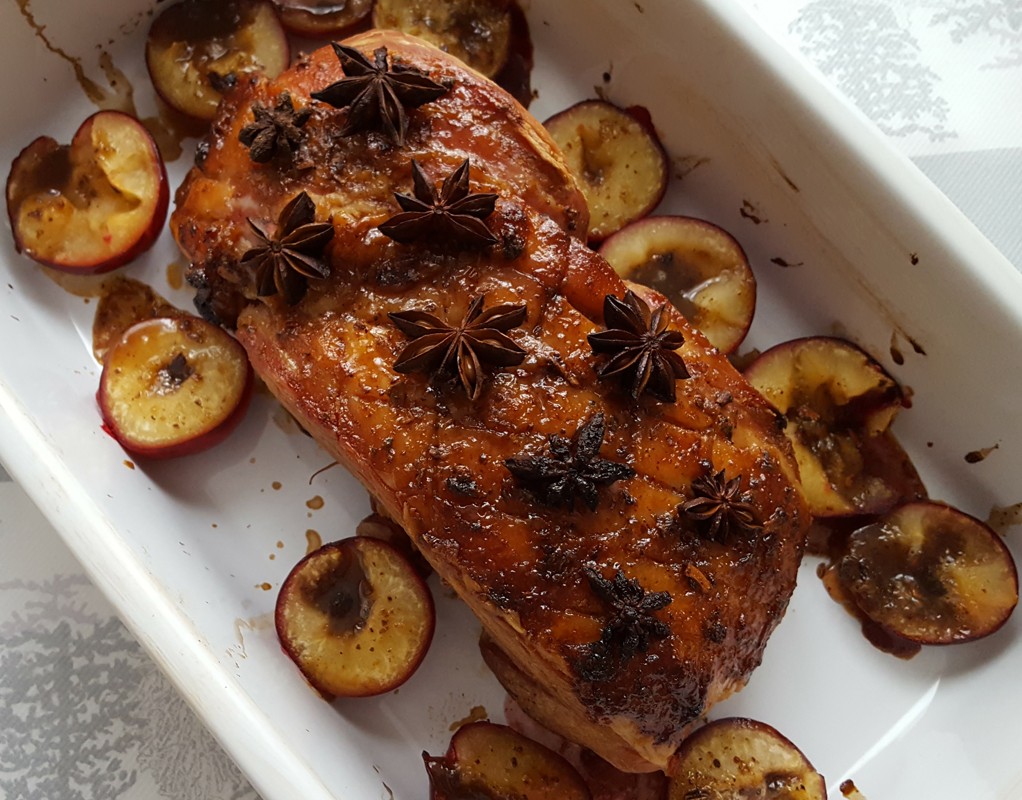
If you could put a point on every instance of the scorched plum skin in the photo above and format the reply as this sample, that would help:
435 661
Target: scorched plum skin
413 439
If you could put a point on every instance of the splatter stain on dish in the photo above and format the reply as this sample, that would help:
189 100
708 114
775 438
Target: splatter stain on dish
92 90
315 503
175 275
313 541
1003 517
752 213
476 714
781 262
975 456
685 165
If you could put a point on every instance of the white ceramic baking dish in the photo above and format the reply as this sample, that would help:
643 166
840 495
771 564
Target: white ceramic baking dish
184 549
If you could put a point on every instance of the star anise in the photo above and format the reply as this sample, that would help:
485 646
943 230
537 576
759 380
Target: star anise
276 131
629 627
719 505
641 347
573 469
376 95
285 262
479 339
452 213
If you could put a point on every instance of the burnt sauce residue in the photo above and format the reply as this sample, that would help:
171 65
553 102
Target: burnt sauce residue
92 90
168 128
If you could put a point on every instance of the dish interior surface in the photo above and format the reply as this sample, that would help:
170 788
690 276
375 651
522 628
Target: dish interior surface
756 147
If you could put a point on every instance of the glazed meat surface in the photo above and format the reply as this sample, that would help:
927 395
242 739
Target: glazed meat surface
435 460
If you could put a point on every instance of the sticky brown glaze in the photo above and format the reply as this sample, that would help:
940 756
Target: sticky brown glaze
434 460
353 178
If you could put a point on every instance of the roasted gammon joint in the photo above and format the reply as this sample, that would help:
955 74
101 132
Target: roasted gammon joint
400 249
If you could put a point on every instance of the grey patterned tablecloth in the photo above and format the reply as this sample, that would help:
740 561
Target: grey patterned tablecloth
84 714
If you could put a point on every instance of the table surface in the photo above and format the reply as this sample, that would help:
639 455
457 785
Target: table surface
939 77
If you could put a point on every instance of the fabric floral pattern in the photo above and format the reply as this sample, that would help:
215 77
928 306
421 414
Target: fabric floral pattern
875 60
85 714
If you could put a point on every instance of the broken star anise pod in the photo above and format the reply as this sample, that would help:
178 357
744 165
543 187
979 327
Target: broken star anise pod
641 347
629 627
276 131
480 339
284 263
452 213
573 470
375 94
719 505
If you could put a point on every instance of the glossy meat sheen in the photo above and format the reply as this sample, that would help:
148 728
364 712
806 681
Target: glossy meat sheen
435 460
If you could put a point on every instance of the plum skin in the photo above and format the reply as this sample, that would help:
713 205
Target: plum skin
194 443
148 235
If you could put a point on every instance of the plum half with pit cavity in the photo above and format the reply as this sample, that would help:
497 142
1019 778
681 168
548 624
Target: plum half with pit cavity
931 574
696 265
476 31
197 50
486 760
93 205
737 758
355 617
322 18
838 403
172 386
617 160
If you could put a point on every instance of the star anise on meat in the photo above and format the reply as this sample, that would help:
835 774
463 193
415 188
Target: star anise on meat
450 213
573 469
276 131
376 94
284 263
719 505
641 347
480 339
629 627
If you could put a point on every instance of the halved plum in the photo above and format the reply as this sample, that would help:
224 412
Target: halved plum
735 758
476 31
172 386
931 574
93 205
838 403
617 159
486 760
696 265
322 18
355 617
197 50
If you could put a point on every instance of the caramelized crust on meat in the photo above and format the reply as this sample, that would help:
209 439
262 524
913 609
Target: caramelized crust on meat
434 460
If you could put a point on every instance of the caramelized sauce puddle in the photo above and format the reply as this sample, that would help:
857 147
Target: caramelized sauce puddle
123 302
877 635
